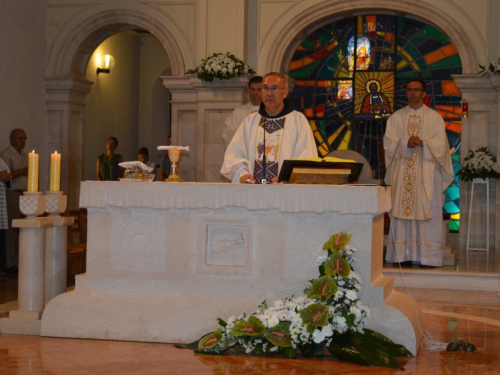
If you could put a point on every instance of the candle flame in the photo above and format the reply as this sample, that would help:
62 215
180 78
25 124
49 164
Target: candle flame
55 152
33 151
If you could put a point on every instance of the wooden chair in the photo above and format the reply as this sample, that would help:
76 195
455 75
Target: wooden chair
77 242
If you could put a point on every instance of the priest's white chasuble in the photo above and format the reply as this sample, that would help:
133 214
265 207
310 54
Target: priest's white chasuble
418 178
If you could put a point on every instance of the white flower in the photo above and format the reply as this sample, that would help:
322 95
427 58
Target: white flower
273 321
318 336
327 330
351 295
321 259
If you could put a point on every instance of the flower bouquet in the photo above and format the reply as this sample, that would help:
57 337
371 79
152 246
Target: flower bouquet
330 315
222 66
492 68
479 164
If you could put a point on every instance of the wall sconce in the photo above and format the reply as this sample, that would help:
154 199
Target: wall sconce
107 63
465 108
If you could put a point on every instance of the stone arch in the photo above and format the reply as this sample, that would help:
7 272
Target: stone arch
67 88
282 40
71 52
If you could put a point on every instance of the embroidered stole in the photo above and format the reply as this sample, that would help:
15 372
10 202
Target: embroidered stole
410 176
273 130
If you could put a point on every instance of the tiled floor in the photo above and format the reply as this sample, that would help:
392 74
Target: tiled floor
471 315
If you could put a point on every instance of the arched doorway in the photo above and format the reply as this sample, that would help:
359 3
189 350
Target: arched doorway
67 88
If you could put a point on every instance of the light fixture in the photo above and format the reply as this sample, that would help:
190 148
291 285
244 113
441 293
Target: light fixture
465 108
107 62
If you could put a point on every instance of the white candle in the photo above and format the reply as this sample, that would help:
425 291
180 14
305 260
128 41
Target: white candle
55 172
33 172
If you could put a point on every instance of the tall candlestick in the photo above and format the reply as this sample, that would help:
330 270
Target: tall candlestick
55 172
33 172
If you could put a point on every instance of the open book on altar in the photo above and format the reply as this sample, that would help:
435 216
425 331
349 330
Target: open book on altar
328 170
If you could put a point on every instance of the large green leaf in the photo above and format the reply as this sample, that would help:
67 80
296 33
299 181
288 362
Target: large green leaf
279 335
337 242
289 352
323 288
364 349
307 350
394 349
315 315
253 327
211 340
335 264
190 346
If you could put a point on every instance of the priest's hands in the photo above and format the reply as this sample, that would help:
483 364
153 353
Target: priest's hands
415 141
247 179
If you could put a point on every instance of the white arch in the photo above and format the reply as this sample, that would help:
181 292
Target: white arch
285 35
77 41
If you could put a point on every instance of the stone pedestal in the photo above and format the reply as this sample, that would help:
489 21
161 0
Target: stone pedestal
56 240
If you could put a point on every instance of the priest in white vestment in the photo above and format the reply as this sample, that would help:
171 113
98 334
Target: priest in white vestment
287 135
234 120
419 169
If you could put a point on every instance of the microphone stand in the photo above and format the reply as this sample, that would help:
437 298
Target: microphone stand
264 180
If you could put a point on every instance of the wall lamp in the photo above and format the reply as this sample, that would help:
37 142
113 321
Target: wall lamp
107 63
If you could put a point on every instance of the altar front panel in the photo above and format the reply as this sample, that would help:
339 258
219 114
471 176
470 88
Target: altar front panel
166 260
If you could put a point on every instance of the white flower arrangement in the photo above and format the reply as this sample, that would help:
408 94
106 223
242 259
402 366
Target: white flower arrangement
492 68
330 315
479 164
222 66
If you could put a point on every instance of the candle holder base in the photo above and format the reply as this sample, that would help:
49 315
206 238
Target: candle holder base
32 204
55 203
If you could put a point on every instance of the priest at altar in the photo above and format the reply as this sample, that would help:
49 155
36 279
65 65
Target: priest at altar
419 169
274 134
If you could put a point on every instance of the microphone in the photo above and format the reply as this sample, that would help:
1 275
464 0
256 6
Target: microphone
264 180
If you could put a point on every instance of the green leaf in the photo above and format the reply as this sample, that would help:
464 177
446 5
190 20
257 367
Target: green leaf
365 349
253 327
335 264
307 350
315 315
347 353
221 322
323 288
191 346
289 352
211 340
396 350
279 335
337 242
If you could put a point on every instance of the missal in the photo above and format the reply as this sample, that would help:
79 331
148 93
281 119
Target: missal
328 170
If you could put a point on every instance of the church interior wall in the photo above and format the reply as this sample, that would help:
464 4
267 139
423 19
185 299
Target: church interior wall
22 66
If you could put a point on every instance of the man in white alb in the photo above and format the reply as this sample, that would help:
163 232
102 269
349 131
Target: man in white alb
234 120
287 135
419 169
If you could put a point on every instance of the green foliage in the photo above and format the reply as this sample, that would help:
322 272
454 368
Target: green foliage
315 315
251 328
279 335
323 288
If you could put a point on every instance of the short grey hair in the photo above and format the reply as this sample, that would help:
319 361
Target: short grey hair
285 78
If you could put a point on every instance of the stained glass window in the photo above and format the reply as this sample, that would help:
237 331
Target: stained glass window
351 76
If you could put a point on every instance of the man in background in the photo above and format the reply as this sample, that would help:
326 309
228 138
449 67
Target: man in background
419 169
17 160
234 120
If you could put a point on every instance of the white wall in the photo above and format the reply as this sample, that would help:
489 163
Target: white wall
22 67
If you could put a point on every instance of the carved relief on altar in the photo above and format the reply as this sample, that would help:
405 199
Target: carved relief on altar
224 246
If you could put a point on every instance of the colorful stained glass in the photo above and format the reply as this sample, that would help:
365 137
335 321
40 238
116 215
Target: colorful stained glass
352 73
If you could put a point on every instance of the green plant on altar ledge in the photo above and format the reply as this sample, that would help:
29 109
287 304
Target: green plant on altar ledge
222 66
330 315
479 164
492 68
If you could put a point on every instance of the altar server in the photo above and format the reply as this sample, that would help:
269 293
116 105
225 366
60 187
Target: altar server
419 169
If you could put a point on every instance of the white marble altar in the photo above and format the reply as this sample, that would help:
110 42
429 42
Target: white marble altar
166 260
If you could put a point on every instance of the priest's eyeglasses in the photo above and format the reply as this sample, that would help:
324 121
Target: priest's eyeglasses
416 89
273 89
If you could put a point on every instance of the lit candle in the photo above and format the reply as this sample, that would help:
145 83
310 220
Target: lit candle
55 172
33 172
